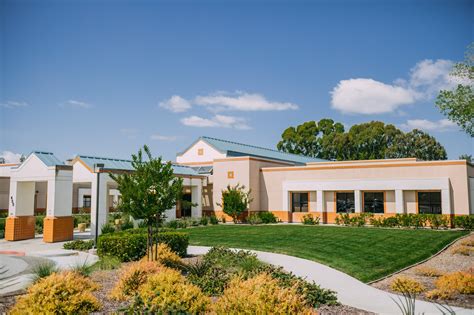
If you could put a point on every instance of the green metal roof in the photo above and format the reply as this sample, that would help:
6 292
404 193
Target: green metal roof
240 149
126 165
48 158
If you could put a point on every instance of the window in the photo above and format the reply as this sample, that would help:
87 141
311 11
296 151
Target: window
86 201
299 202
429 202
345 202
230 174
200 151
374 202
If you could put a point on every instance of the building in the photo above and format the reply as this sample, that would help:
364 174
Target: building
287 185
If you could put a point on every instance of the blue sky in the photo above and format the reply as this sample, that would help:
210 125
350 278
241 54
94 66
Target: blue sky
105 77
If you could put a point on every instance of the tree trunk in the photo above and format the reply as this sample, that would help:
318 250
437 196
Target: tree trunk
149 248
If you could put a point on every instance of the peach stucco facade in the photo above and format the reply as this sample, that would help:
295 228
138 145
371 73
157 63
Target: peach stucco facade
400 180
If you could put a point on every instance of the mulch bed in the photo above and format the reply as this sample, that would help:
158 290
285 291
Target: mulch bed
446 262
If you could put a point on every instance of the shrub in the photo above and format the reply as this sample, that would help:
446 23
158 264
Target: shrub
39 220
44 270
451 284
428 272
131 244
173 224
235 200
254 219
406 285
314 295
107 228
267 217
132 277
260 295
212 280
107 263
79 245
213 220
223 219
418 220
310 220
168 292
405 220
204 221
166 257
2 227
468 242
390 222
343 219
60 293
82 218
465 222
462 250
437 220
376 221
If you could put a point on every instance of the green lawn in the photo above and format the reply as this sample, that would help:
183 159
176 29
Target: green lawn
364 253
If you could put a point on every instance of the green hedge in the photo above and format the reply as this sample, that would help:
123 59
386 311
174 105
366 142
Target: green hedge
2 227
465 222
130 245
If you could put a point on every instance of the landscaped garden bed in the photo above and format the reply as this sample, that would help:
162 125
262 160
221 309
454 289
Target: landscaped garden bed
453 267
218 282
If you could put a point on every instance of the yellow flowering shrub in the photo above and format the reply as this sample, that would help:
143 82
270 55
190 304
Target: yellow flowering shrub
168 292
449 285
260 295
406 285
59 293
468 242
132 276
428 272
462 250
166 256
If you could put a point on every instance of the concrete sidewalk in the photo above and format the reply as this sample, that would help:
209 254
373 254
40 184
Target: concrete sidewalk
350 291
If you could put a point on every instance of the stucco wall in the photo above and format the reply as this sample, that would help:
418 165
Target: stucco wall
456 172
192 156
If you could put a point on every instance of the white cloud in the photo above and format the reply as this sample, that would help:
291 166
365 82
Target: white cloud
130 133
241 101
10 157
75 104
163 138
368 96
13 104
217 121
176 104
428 125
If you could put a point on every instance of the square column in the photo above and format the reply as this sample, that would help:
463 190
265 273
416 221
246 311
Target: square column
196 198
399 201
102 211
59 223
358 201
20 224
446 201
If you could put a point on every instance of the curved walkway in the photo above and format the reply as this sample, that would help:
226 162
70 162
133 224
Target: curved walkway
350 291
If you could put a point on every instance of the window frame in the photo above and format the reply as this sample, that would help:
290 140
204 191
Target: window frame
301 203
384 200
430 203
84 197
346 193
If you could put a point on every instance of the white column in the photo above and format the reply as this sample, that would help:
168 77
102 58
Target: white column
320 201
22 198
196 198
286 203
358 201
399 201
59 202
446 201
102 210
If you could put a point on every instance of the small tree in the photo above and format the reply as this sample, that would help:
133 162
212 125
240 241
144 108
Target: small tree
235 200
147 193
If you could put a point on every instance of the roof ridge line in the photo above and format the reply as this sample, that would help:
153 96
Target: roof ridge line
263 148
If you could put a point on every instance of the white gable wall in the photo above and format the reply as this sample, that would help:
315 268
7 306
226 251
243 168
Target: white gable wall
192 156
